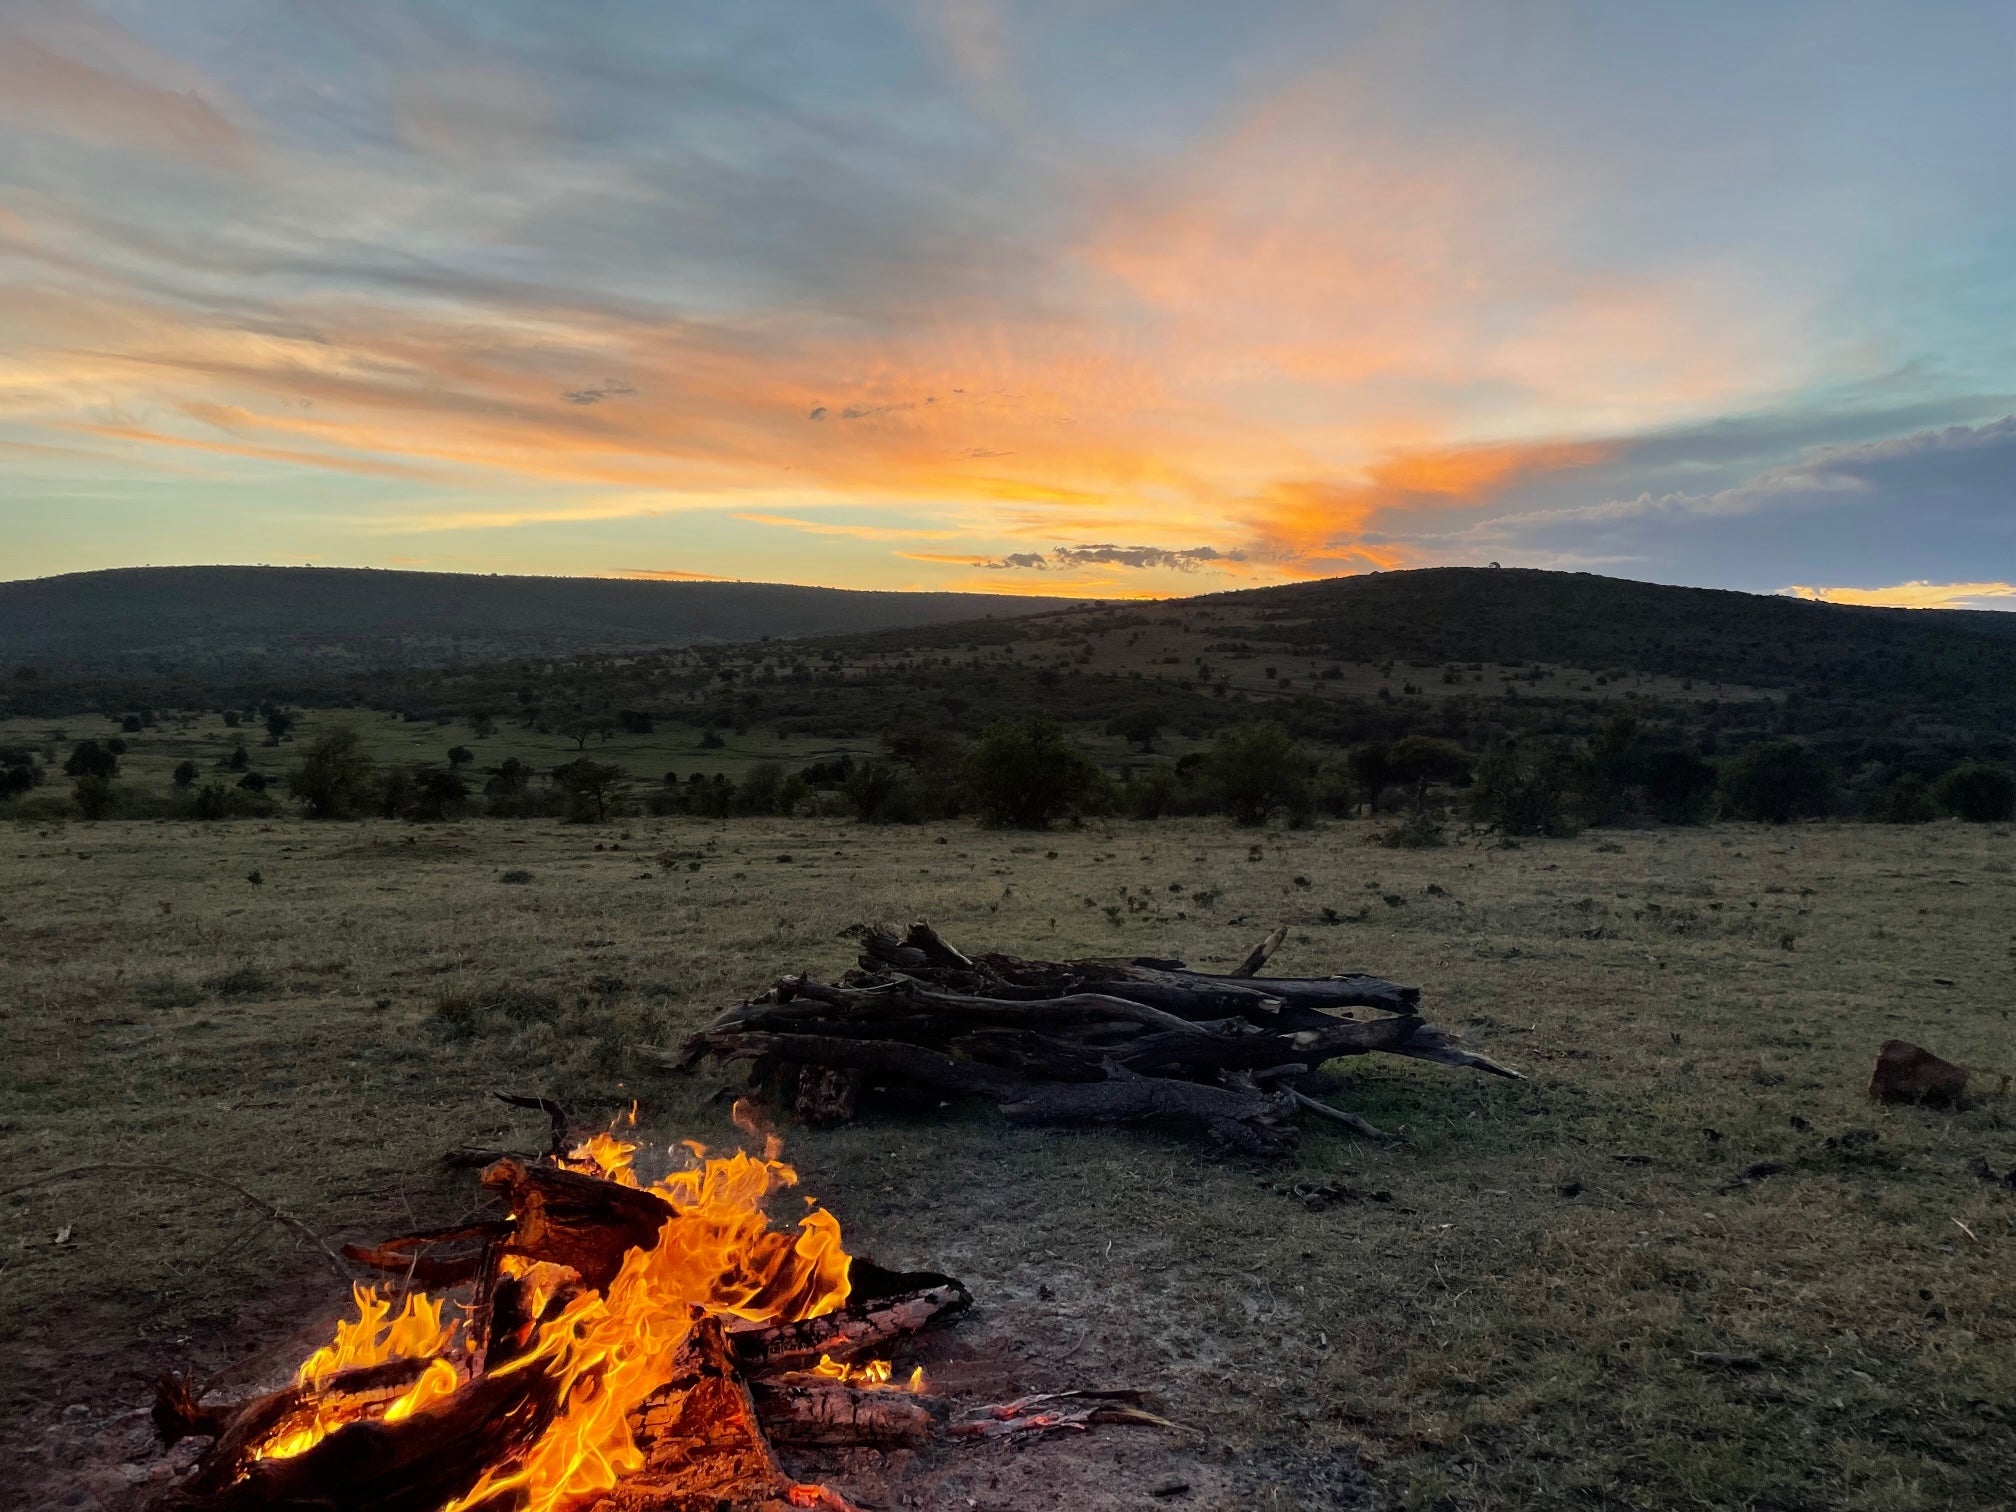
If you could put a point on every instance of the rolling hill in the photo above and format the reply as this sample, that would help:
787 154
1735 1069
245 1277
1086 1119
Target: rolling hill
193 620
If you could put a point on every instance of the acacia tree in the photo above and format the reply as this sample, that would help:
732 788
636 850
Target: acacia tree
1418 761
592 783
1139 726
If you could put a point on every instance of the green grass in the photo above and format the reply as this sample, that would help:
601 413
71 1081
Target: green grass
1517 1324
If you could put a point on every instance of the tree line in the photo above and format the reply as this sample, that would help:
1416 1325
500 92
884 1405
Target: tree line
1030 774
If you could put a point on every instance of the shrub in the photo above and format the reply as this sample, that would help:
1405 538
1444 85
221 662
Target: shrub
1418 831
884 792
1258 771
1024 774
1157 792
334 775
1679 786
512 777
93 795
90 759
1607 771
213 801
185 774
437 793
396 791
240 981
1520 791
1978 793
1906 800
761 789
1778 781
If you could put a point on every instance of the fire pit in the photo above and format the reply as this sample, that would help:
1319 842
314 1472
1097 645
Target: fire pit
612 1343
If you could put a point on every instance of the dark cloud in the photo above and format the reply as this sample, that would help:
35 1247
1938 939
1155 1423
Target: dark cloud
1186 560
818 412
597 395
1931 505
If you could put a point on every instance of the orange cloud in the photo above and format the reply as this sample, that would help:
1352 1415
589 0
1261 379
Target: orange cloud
857 532
1309 521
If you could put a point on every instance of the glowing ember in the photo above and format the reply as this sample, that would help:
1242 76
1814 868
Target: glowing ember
606 1351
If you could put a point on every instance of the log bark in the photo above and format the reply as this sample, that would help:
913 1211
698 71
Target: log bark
403 1256
812 1411
1257 957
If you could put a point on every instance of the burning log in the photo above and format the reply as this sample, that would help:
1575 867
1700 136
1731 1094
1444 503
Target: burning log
584 1222
1102 1041
703 1448
847 1333
415 1465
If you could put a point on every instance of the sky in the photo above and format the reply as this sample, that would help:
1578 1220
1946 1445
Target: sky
1093 299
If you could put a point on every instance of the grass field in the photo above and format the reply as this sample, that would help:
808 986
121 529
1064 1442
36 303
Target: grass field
1509 1311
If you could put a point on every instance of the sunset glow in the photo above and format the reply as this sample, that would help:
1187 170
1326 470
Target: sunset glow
1117 301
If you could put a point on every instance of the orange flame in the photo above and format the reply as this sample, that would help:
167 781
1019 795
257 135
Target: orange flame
873 1375
416 1333
717 1254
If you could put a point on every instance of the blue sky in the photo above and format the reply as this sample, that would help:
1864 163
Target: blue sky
1097 298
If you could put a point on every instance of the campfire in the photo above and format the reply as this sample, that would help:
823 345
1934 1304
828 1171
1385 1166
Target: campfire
612 1343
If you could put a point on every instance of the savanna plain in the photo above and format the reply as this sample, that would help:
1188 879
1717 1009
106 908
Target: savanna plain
1685 1263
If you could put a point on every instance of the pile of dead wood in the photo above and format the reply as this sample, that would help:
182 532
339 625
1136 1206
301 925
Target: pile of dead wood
706 1433
1101 1041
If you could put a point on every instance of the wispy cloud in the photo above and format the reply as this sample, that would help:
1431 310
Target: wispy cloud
853 531
64 68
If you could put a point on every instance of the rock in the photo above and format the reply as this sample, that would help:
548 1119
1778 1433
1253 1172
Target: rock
1910 1073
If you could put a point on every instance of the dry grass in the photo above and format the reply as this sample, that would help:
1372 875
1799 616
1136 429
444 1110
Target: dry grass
1517 1326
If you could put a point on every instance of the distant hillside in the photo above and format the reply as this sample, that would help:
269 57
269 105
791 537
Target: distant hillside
1579 619
1564 646
220 620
